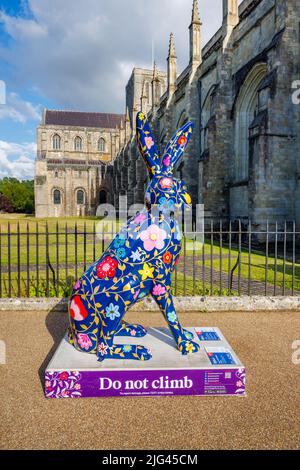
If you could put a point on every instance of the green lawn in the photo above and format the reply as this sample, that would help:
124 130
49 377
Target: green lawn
82 240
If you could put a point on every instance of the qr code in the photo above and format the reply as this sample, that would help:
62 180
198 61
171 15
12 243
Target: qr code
227 375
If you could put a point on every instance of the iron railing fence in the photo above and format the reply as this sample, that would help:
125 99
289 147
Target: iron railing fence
45 259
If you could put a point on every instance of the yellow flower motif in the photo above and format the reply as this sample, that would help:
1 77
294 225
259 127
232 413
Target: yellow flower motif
189 348
146 272
141 116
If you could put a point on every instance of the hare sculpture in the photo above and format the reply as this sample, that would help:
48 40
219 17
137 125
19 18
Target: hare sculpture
139 261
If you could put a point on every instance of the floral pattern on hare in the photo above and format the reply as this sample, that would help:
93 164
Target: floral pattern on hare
139 262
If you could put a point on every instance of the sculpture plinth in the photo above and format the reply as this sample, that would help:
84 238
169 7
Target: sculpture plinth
215 370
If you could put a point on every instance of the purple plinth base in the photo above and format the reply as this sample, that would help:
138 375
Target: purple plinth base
215 370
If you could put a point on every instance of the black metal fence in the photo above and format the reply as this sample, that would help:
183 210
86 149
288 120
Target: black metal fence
45 259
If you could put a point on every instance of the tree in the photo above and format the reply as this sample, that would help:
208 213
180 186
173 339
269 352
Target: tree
20 194
5 205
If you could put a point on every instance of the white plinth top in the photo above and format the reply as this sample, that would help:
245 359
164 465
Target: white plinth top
163 348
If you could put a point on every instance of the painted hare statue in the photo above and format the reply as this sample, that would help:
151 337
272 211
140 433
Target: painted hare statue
138 262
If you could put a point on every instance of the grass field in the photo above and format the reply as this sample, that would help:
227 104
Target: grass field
36 253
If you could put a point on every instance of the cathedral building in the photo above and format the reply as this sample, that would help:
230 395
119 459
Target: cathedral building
73 172
243 159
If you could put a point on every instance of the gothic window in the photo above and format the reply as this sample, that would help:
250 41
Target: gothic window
80 197
247 108
56 142
101 145
56 197
56 174
78 144
148 94
206 114
102 197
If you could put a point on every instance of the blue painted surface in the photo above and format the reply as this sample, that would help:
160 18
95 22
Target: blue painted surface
139 262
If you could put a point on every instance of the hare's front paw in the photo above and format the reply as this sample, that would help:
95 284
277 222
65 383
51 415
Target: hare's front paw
137 331
188 347
188 335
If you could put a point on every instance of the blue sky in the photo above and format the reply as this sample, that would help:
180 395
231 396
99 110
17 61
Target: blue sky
79 54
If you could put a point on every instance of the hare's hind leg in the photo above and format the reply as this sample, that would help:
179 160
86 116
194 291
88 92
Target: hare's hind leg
108 350
112 325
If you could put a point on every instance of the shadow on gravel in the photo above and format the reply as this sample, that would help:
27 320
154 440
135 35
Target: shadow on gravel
57 324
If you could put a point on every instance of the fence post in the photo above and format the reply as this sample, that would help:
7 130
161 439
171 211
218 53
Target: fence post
47 260
9 259
57 260
37 252
19 260
267 259
276 258
27 260
249 256
0 262
284 257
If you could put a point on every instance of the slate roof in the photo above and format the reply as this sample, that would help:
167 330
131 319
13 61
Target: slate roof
83 119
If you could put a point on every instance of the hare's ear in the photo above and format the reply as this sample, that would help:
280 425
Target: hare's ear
147 145
175 148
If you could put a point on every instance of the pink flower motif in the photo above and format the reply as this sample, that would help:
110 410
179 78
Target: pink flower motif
84 341
239 384
77 285
102 348
158 289
167 160
149 142
64 376
77 386
48 383
166 183
133 333
136 294
153 237
140 218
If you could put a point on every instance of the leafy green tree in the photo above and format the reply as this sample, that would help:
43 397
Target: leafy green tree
20 194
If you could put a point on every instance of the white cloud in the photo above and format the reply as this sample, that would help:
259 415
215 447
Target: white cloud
20 28
17 160
19 110
80 54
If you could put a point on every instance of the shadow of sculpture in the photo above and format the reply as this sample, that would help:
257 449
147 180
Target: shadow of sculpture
164 335
57 323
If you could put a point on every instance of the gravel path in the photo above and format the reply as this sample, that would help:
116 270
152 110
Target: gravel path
268 418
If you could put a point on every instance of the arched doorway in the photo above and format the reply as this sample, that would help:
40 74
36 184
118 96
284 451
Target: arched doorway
102 196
